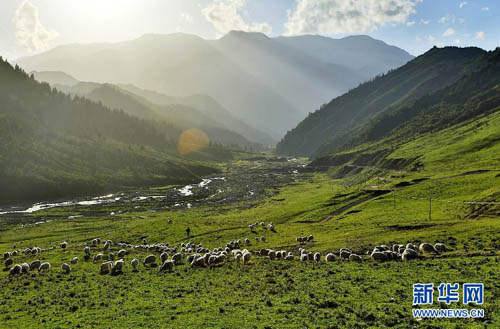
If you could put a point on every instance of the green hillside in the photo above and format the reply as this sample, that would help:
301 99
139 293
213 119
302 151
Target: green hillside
338 122
53 144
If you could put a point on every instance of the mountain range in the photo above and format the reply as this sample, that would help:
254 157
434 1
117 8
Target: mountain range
379 107
196 111
268 83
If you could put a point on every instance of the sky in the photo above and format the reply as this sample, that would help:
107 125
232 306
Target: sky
31 26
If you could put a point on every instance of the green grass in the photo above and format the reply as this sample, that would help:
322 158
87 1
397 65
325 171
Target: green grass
264 294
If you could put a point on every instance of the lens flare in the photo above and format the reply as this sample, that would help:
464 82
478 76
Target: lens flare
192 140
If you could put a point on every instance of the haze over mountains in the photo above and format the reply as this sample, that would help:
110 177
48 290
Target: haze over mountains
443 87
268 83
197 111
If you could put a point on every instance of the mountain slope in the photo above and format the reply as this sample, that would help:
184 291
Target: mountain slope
341 120
52 144
262 81
182 116
209 107
451 129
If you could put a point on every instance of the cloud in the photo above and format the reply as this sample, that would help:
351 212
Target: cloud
447 19
448 32
30 33
225 16
480 35
346 16
410 23
486 8
425 22
462 4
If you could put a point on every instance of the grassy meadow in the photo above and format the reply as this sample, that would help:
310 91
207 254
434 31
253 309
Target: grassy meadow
264 293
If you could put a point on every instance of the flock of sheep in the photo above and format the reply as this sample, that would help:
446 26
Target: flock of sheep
199 257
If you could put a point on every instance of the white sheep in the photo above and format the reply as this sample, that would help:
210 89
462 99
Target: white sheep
344 254
355 258
34 265
74 260
177 259
167 266
377 256
106 268
149 260
246 257
63 245
118 266
66 268
122 253
303 257
330 257
86 250
44 267
198 262
25 267
317 257
163 257
6 255
97 257
411 246
271 254
440 247
409 254
15 270
427 248
134 263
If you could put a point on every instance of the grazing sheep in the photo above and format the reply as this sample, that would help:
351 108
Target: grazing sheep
247 241
163 257
66 268
409 254
15 270
177 259
86 250
330 257
122 253
44 267
289 257
74 260
6 255
107 245
134 263
238 257
34 265
272 254
167 266
440 247
425 248
246 258
106 268
149 260
262 238
95 242
303 257
199 262
63 245
9 262
310 238
25 267
317 257
118 266
411 246
97 257
344 254
355 258
378 256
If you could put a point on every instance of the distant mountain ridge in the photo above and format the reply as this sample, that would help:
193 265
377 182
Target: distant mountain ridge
268 83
